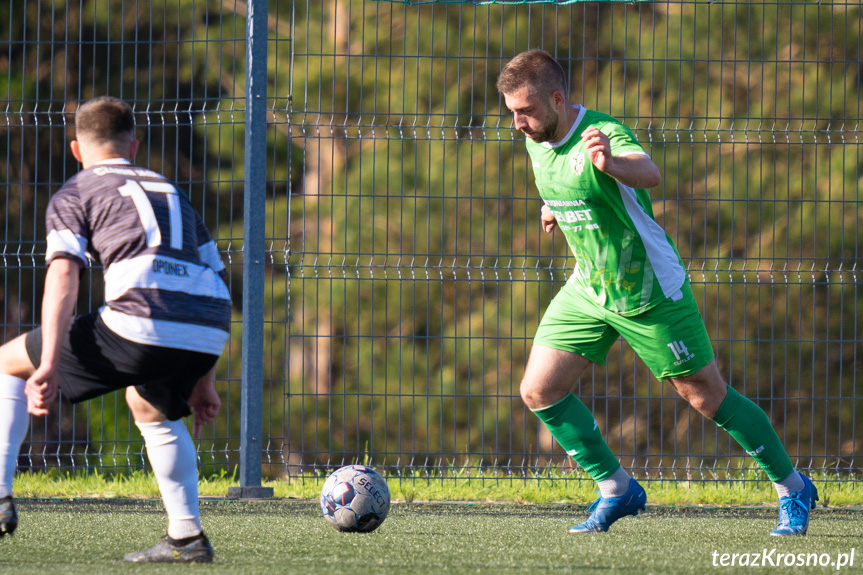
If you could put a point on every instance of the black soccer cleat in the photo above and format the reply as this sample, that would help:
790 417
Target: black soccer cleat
195 549
8 516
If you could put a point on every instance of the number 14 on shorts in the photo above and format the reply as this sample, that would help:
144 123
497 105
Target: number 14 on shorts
681 353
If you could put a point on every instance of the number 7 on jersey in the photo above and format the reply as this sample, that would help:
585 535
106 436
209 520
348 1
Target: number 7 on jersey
137 191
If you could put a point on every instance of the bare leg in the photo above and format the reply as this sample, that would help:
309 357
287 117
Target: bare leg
550 375
14 360
704 390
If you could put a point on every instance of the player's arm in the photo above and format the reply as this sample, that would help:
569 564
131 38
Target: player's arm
547 218
204 401
58 304
633 170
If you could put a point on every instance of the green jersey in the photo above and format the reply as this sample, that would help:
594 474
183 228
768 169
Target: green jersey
625 262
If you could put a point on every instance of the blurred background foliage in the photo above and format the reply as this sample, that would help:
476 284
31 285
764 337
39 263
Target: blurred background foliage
406 268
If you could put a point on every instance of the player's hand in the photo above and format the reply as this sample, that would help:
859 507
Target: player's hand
205 404
547 218
598 148
41 390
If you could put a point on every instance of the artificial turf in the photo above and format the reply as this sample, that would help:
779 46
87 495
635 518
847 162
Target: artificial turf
270 537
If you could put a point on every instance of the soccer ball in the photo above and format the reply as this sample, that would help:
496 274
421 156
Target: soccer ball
355 499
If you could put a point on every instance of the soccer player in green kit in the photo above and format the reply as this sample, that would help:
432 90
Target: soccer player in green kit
629 281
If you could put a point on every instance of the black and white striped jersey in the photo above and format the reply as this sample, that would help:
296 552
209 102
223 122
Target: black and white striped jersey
163 275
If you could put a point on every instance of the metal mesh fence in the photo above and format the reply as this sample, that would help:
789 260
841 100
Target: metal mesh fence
406 270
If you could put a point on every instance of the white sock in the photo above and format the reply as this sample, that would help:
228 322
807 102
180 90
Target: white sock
791 483
175 464
616 485
14 422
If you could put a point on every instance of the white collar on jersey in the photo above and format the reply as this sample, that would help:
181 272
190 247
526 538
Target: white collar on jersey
581 112
113 161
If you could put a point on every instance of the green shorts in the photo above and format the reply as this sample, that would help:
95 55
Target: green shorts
670 337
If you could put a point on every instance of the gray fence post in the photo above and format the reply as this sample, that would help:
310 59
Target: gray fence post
254 208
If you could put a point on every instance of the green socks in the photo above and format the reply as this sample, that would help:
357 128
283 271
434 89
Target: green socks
749 426
575 429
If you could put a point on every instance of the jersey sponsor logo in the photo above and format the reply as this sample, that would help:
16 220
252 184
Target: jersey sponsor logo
576 162
572 216
565 203
163 273
568 216
569 220
170 268
681 353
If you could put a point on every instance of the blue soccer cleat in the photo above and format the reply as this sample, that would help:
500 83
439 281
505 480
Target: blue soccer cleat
794 510
604 512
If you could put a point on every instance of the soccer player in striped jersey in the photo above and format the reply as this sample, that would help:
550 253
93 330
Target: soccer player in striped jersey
629 281
158 336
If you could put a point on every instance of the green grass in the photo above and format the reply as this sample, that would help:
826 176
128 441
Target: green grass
273 537
456 486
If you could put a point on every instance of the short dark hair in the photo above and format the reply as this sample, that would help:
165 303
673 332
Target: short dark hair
105 120
536 70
